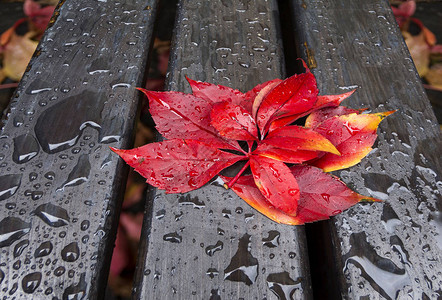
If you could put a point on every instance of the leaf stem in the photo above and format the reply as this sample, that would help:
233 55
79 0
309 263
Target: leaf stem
234 179
8 85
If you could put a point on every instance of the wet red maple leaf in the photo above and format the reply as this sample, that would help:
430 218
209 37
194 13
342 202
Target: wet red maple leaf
217 126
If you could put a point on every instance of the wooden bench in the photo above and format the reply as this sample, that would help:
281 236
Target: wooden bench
61 187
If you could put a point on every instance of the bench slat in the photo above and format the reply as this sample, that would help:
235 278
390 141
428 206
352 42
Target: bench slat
60 185
209 243
390 249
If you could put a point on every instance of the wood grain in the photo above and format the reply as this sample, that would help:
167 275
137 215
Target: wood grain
60 185
392 249
209 243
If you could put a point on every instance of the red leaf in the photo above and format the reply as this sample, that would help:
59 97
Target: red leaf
353 135
319 116
321 195
39 16
299 138
217 93
275 181
321 102
294 95
216 117
259 97
178 166
214 93
246 188
288 156
233 122
183 116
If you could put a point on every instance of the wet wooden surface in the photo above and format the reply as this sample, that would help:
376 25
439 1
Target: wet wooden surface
60 184
392 249
209 244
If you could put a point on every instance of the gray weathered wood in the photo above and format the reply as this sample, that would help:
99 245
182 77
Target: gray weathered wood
59 182
209 243
391 249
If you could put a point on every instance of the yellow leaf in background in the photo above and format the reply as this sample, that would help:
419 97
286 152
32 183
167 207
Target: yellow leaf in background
419 50
434 76
16 55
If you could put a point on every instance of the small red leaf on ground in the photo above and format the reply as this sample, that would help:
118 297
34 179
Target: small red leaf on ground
275 181
233 122
38 15
176 165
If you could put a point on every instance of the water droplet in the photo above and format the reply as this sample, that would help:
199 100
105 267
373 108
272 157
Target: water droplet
212 272
48 291
71 126
243 266
31 282
398 247
294 192
32 176
214 295
210 250
38 86
382 274
173 237
11 230
52 215
351 130
194 201
18 121
85 239
20 247
272 240
106 161
44 249
9 185
80 173
13 289
389 218
282 285
110 130
84 225
59 271
160 214
227 213
36 195
248 217
17 265
326 197
50 175
25 148
77 291
71 252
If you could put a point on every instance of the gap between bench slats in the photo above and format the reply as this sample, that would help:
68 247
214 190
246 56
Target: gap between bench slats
60 184
390 249
209 243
